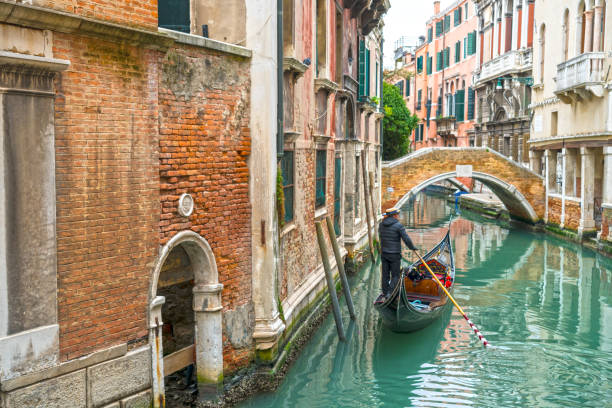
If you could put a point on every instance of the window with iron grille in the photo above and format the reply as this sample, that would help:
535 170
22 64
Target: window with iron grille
321 171
287 169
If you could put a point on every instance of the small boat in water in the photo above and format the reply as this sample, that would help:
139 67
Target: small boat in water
417 299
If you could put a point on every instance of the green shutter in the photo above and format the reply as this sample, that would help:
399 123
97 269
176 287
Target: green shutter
471 100
367 72
439 28
447 23
288 183
460 105
465 41
471 46
474 42
362 68
446 57
439 61
429 34
408 87
429 64
420 64
337 193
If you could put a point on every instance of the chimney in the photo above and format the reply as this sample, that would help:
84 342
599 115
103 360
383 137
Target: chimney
436 7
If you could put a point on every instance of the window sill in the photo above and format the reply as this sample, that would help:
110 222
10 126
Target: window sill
288 228
320 212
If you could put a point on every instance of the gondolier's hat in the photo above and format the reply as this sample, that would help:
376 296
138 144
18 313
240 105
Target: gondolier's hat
392 211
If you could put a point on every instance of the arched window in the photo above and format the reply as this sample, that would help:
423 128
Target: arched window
580 27
542 51
565 35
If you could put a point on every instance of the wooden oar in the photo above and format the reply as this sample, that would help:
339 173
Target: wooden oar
484 341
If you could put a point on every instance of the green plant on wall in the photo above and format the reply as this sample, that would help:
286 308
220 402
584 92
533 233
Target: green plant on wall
398 123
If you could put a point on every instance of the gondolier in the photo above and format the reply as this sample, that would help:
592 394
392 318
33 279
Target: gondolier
391 232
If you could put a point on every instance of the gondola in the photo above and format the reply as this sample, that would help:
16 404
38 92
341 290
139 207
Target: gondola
417 300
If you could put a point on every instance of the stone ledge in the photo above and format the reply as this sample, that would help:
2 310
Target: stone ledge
46 19
44 63
64 368
203 42
65 391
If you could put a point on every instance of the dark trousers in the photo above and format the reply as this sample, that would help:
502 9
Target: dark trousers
391 265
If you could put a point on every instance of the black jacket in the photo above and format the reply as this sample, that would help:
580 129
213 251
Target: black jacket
390 232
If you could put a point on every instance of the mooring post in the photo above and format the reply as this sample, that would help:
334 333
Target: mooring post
340 263
374 212
367 202
330 281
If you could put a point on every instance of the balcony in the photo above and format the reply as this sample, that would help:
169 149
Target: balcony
581 77
511 62
446 126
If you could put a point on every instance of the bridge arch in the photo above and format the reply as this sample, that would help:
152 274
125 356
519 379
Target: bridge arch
512 198
521 190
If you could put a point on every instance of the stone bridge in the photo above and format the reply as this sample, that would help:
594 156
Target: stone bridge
521 190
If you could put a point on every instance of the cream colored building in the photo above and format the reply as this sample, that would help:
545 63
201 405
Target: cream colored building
571 127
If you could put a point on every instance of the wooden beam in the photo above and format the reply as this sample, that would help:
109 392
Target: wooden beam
179 360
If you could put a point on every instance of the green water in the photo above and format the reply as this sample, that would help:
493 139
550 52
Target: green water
545 306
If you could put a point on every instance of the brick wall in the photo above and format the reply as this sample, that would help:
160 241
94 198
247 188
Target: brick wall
107 192
572 212
134 13
606 221
204 147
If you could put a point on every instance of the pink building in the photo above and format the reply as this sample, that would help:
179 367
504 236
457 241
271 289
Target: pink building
444 98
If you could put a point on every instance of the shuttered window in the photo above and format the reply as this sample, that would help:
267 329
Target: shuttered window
419 64
457 51
288 184
337 193
418 102
439 28
447 23
367 79
439 61
457 16
429 64
321 170
429 34
446 57
471 43
465 40
408 87
400 85
471 101
362 69
460 105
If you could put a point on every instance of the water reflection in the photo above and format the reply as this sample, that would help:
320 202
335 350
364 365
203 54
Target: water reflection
544 304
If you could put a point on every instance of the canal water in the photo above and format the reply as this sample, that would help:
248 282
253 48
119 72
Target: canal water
545 306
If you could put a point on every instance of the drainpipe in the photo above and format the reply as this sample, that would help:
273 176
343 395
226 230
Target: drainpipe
280 136
382 104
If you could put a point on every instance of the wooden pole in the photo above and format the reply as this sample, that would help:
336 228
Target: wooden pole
340 263
330 281
484 341
367 202
374 212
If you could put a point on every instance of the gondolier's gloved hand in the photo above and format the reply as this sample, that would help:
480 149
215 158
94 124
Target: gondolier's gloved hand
412 247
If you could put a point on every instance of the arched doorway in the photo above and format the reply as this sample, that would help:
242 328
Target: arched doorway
185 315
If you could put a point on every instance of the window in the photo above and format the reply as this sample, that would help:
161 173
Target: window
446 57
429 64
364 70
542 51
321 162
457 15
429 34
439 61
337 194
288 27
466 11
465 40
418 101
471 100
553 123
174 15
419 64
339 38
460 105
287 169
471 43
447 23
439 28
321 44
457 51
408 87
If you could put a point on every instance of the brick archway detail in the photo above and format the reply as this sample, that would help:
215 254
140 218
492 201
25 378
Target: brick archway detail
520 189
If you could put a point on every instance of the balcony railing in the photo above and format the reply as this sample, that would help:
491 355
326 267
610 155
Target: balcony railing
508 63
580 77
446 126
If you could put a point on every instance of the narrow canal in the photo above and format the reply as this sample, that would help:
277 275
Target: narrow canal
544 304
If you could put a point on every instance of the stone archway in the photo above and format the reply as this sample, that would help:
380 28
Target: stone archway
517 204
207 309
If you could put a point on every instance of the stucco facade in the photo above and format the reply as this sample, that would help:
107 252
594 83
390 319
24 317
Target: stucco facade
502 76
571 130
